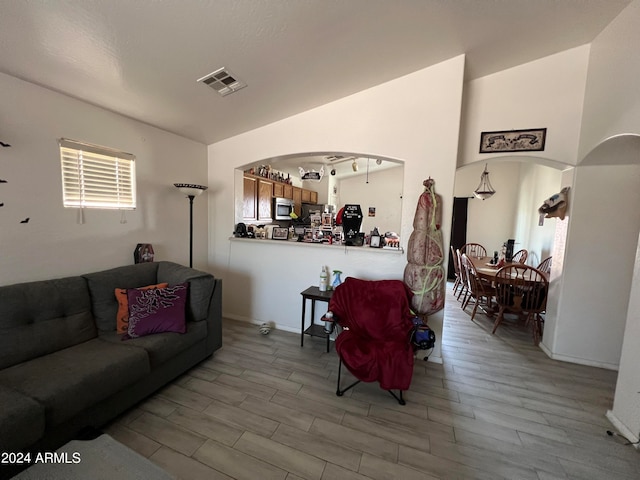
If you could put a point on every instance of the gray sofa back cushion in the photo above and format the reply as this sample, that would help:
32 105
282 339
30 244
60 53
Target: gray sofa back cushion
38 318
102 287
201 286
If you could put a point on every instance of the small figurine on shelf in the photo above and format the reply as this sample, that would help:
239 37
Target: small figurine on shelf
336 279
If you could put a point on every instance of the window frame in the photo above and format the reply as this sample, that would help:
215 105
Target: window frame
96 177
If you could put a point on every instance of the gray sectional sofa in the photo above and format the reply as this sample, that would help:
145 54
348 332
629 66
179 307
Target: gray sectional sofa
63 367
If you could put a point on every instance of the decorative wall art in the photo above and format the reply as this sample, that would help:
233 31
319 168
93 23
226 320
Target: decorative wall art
311 174
4 145
2 180
531 140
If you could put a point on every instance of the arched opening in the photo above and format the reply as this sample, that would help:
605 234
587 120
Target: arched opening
522 183
373 181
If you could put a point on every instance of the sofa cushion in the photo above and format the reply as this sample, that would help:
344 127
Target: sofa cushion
201 286
21 420
122 317
102 285
70 380
157 310
38 318
162 346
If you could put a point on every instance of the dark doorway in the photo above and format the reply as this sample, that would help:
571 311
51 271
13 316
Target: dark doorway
458 229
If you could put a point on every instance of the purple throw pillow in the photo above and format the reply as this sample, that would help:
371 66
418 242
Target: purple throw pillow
157 310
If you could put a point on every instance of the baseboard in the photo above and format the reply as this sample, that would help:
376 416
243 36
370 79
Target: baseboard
622 428
275 326
285 328
577 360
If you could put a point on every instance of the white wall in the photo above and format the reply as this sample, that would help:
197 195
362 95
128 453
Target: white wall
612 102
490 222
52 244
598 265
545 93
611 108
537 183
414 118
626 406
384 192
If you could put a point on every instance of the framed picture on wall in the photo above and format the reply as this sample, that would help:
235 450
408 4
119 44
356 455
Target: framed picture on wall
531 140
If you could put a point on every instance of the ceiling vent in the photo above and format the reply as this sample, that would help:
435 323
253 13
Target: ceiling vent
223 81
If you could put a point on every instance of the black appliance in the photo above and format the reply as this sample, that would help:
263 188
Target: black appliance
351 222
309 209
508 255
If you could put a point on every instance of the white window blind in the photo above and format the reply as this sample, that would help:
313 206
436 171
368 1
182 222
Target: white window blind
97 177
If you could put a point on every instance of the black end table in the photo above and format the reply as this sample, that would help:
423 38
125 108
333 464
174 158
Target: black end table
315 330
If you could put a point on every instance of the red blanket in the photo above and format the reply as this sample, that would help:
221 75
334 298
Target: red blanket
376 318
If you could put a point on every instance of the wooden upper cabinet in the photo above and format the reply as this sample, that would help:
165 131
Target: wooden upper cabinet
306 196
250 205
314 197
265 195
257 199
278 190
288 191
297 200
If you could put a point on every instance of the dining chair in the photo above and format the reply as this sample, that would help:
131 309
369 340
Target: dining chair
521 289
474 250
520 256
464 288
545 265
456 270
481 291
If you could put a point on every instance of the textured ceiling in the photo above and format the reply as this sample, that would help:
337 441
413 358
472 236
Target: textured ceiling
142 58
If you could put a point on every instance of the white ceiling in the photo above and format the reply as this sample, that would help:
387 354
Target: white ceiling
142 58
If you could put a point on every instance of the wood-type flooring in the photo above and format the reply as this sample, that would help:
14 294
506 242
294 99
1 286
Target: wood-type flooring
497 408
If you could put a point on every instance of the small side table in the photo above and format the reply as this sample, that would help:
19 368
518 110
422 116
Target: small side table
315 330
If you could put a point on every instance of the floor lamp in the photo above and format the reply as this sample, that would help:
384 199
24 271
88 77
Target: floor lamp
191 191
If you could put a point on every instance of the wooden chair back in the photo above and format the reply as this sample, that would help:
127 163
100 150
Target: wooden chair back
467 266
463 277
456 263
474 250
521 288
545 265
520 256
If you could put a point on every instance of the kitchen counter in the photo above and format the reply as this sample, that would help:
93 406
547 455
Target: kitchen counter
333 247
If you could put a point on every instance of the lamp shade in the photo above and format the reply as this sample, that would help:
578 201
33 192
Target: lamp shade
484 190
190 189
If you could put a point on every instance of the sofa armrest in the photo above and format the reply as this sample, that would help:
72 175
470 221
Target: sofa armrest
201 286
205 297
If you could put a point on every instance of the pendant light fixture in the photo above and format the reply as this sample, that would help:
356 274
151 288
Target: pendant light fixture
484 190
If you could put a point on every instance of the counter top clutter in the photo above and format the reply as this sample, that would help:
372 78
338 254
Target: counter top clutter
320 225
63 364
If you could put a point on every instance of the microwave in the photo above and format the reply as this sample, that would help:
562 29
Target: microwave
282 208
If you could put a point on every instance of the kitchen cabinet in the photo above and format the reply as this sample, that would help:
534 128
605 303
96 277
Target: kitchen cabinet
306 196
250 204
278 190
257 199
265 196
314 197
288 191
297 200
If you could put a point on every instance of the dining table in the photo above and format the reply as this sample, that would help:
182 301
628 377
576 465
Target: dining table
487 271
